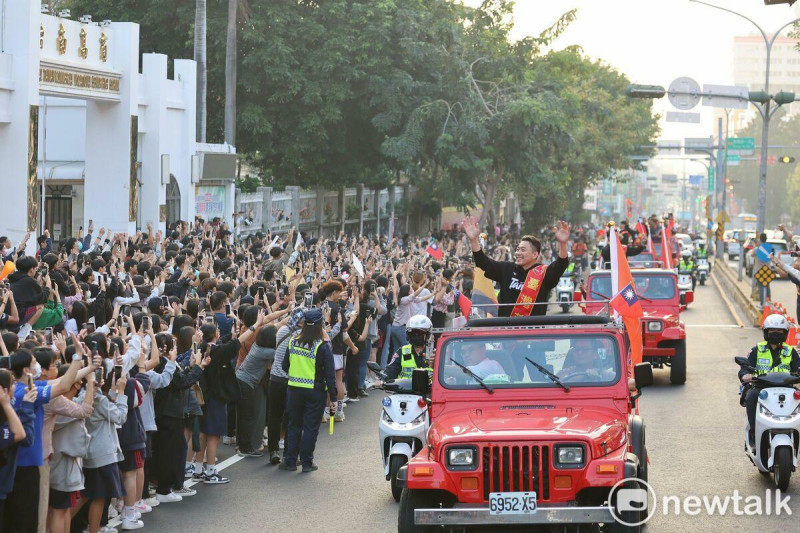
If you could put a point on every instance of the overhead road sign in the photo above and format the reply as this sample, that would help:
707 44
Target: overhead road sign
727 96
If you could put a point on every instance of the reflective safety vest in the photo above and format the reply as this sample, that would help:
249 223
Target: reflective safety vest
302 365
686 266
702 254
570 269
408 362
764 359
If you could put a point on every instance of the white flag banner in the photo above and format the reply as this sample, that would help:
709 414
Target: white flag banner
358 266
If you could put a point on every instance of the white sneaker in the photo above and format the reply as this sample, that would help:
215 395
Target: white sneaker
280 444
152 502
229 440
141 507
129 523
168 498
113 512
184 492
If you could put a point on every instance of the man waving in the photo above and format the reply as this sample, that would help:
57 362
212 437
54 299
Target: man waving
525 280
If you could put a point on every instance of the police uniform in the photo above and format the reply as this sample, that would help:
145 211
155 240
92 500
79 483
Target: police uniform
684 265
765 359
404 362
312 380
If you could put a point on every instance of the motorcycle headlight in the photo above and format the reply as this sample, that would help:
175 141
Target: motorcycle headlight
764 411
420 418
462 458
386 417
570 456
655 325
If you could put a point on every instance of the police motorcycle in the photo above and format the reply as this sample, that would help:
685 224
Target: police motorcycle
565 290
685 280
777 421
702 270
404 422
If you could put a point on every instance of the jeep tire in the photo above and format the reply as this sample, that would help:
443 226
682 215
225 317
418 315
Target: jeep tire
631 517
677 372
411 500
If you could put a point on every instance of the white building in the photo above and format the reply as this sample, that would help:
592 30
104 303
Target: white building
111 144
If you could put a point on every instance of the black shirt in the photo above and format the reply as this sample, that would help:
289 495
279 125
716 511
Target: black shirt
511 277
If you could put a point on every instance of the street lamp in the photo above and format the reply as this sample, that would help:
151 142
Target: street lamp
761 100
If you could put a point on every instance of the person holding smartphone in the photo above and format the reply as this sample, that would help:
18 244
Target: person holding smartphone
225 322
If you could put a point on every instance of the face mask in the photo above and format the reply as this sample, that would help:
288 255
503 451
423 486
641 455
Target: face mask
775 337
37 372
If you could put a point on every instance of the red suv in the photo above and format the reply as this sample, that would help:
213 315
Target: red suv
532 422
663 331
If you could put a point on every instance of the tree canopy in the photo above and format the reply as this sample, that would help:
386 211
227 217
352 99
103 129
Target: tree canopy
338 92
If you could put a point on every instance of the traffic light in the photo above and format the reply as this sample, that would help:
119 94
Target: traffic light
786 159
761 97
783 98
645 91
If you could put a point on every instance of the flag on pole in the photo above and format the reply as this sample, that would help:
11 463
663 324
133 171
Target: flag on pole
666 251
434 251
483 294
625 301
358 266
299 240
465 304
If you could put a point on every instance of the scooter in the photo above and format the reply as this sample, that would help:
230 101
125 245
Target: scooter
777 423
565 291
685 286
702 271
403 426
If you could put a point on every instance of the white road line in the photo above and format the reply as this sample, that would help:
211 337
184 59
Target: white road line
232 460
719 326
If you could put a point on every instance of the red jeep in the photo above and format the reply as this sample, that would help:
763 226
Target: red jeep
663 331
532 423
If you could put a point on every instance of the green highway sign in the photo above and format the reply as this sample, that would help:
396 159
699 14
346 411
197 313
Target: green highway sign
712 177
734 159
741 145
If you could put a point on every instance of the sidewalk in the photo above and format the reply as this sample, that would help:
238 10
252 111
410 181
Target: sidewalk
783 291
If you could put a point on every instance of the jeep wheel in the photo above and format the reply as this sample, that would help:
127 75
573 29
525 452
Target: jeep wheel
630 517
395 463
677 373
415 499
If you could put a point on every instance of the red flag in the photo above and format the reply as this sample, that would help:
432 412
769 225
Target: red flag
640 227
465 304
666 250
435 251
625 300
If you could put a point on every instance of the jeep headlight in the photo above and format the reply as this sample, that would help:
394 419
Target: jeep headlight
461 457
655 325
569 456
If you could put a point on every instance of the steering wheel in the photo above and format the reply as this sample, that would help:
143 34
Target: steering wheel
576 374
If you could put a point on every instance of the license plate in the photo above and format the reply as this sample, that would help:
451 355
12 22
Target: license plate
512 503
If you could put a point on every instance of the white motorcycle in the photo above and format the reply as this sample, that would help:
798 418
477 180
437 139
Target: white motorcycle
403 427
685 286
777 422
565 291
702 270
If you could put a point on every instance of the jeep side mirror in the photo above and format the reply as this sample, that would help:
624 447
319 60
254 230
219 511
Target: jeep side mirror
419 382
643 375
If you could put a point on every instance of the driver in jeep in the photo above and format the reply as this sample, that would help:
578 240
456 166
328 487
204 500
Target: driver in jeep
583 363
526 280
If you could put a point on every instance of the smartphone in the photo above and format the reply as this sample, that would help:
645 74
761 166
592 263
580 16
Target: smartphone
125 310
209 319
278 283
30 381
228 309
48 336
117 371
308 299
94 347
145 323
261 293
105 277
165 301
194 347
89 327
98 375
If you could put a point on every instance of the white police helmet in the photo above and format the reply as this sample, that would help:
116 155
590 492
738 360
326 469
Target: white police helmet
775 321
419 322
686 254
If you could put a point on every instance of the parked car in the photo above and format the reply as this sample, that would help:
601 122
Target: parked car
733 244
685 241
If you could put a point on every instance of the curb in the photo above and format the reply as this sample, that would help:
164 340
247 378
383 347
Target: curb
727 279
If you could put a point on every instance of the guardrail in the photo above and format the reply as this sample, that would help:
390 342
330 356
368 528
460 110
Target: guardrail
727 280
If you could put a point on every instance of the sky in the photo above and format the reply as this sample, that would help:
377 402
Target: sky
656 41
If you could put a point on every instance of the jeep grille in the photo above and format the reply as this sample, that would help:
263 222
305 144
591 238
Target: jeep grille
516 468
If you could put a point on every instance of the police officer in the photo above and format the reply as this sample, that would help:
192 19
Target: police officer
412 355
771 355
687 263
312 380
702 253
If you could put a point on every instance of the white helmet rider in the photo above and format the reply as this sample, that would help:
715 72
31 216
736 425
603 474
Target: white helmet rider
686 253
418 330
775 328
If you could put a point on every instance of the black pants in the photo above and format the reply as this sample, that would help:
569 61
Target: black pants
750 403
22 514
170 456
232 419
246 410
277 413
305 408
351 364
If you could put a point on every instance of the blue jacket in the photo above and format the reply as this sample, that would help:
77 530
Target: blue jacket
25 412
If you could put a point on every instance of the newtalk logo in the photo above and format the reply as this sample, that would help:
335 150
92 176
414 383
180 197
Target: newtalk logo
629 497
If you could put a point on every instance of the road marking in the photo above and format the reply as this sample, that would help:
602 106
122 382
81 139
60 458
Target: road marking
713 326
727 302
230 461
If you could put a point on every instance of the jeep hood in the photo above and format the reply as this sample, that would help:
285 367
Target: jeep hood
532 422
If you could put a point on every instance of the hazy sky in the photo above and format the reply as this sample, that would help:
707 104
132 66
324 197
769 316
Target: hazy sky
656 41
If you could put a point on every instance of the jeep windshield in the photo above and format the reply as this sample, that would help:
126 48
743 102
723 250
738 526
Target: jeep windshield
648 285
502 362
